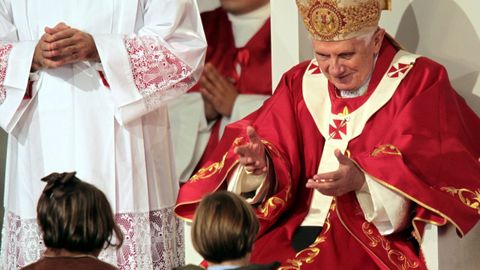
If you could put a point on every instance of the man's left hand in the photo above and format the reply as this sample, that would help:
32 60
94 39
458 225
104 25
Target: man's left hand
347 178
218 90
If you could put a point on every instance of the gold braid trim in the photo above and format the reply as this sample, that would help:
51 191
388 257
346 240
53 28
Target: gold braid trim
207 172
466 196
308 254
396 257
271 204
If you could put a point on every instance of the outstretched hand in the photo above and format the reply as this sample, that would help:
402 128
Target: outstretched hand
63 45
347 178
252 154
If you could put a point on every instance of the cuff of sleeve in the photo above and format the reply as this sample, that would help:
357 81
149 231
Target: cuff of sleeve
370 202
115 63
241 182
19 65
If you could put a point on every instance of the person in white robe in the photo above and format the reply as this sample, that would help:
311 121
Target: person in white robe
83 87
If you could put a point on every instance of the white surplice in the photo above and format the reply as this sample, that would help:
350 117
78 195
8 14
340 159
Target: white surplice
113 131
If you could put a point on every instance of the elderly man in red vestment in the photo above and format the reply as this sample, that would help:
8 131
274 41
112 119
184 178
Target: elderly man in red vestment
355 152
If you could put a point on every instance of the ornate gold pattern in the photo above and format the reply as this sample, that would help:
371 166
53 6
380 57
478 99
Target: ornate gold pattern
275 151
207 172
308 254
387 149
395 256
270 204
329 20
466 196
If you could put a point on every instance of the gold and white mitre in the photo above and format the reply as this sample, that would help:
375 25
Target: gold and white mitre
333 20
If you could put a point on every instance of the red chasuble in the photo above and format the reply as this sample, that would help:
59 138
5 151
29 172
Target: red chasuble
423 143
254 59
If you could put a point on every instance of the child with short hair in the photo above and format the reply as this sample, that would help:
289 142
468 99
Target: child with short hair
77 222
223 231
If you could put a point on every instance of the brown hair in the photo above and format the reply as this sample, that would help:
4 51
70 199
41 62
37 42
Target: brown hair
75 215
224 227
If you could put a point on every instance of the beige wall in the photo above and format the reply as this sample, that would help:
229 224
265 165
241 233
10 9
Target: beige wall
448 31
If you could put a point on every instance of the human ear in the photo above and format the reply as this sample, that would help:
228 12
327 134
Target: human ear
378 39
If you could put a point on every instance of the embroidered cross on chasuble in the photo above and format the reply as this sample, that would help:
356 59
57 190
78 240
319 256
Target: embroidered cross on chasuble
339 128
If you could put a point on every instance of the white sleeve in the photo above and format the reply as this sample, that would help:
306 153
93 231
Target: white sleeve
244 105
189 133
386 209
15 63
159 62
241 182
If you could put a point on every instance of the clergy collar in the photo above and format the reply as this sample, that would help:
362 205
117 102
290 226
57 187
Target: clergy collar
356 93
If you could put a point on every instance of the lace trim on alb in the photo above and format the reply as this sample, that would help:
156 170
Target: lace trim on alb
4 52
153 240
157 72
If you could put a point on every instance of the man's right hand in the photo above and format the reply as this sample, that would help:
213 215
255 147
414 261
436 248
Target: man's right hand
252 154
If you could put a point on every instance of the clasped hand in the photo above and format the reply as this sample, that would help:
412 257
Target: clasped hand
218 93
63 45
252 154
348 177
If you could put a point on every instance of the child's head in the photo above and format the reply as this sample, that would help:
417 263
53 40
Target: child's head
75 215
224 227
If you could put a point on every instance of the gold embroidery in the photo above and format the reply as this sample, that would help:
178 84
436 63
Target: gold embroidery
467 197
213 168
308 254
275 151
206 172
387 149
395 256
332 20
270 204
237 140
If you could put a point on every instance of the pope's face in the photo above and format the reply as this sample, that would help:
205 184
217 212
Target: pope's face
348 63
242 6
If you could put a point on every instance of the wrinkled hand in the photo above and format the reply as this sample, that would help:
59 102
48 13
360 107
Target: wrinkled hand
252 154
347 178
63 45
218 90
